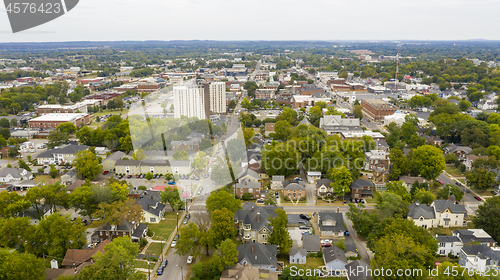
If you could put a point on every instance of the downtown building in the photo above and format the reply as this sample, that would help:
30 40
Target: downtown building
200 100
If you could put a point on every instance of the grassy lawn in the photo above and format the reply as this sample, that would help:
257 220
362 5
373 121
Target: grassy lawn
155 249
453 171
107 112
143 264
164 228
315 262
45 178
484 192
441 259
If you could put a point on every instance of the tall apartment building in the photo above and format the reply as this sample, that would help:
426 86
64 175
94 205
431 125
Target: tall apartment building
189 101
217 97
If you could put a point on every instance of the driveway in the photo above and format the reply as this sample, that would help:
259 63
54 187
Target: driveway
296 235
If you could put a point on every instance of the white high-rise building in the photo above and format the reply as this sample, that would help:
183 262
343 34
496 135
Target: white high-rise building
189 101
218 97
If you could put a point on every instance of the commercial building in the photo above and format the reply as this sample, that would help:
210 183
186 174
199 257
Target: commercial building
56 108
335 124
217 97
53 120
377 109
189 101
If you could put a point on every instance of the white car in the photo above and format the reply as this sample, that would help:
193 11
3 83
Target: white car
210 170
190 260
173 244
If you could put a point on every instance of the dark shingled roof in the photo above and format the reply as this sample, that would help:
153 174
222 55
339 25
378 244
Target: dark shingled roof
442 205
262 254
331 215
266 212
416 211
447 239
333 253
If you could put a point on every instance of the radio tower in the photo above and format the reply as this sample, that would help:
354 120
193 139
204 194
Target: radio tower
397 68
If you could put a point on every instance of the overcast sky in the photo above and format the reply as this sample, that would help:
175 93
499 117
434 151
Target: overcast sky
112 20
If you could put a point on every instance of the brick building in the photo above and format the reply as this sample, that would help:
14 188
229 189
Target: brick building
148 87
377 109
53 120
66 109
265 93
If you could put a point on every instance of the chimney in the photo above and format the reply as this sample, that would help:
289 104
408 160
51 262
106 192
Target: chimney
338 209
148 206
252 248
253 208
258 217
151 197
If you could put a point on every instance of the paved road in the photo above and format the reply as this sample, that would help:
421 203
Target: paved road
173 269
359 245
468 197
312 209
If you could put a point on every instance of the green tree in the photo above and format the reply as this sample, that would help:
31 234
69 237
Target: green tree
114 214
342 180
247 196
139 155
358 111
228 253
428 161
68 128
24 165
82 199
47 196
149 176
270 199
180 155
397 187
5 132
236 149
362 221
280 235
425 197
189 241
11 203
220 172
115 263
222 199
87 164
55 234
280 159
480 179
200 161
464 105
12 152
400 164
13 122
172 196
282 131
248 134
15 232
222 226
53 171
488 217
16 265
57 138
4 123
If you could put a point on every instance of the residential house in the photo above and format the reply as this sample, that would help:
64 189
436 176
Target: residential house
34 215
408 181
460 238
480 258
433 140
357 270
109 162
75 185
460 151
248 272
377 159
128 167
331 224
69 177
449 245
311 243
312 176
60 156
297 255
76 257
258 255
277 182
470 159
361 189
443 213
246 186
381 145
335 124
324 188
181 167
335 260
133 230
155 166
250 175
101 151
153 210
253 222
188 145
255 166
294 190
9 174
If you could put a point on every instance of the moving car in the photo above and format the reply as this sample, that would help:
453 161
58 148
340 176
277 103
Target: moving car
477 198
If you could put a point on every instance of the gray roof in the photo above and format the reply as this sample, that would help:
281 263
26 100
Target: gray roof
467 236
180 163
442 205
294 251
147 201
452 148
333 253
322 182
294 186
116 156
482 251
278 178
249 216
71 173
290 182
249 172
139 231
418 210
360 183
68 150
155 163
262 255
122 162
311 243
14 172
246 184
331 215
447 239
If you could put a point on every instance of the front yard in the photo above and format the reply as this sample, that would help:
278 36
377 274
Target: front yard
453 171
164 228
155 248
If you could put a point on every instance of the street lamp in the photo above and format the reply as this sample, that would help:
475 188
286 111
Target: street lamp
177 222
182 273
149 271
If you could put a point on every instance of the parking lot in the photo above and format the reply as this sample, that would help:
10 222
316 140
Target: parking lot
296 235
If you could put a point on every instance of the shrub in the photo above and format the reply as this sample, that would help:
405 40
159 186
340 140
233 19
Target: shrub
319 254
143 242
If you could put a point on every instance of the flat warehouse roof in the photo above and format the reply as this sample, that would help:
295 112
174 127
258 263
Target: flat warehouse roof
59 117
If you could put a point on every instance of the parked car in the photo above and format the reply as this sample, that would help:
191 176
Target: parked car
361 200
142 176
326 243
171 182
477 198
105 172
121 176
162 267
129 176
176 237
210 170
458 184
346 233
305 217
190 260
197 177
206 175
304 227
173 244
260 200
188 216
441 182
467 190
138 176
185 221
303 222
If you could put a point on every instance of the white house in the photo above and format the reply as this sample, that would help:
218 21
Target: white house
335 259
277 182
312 176
463 237
61 155
443 213
14 174
449 245
298 256
480 258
